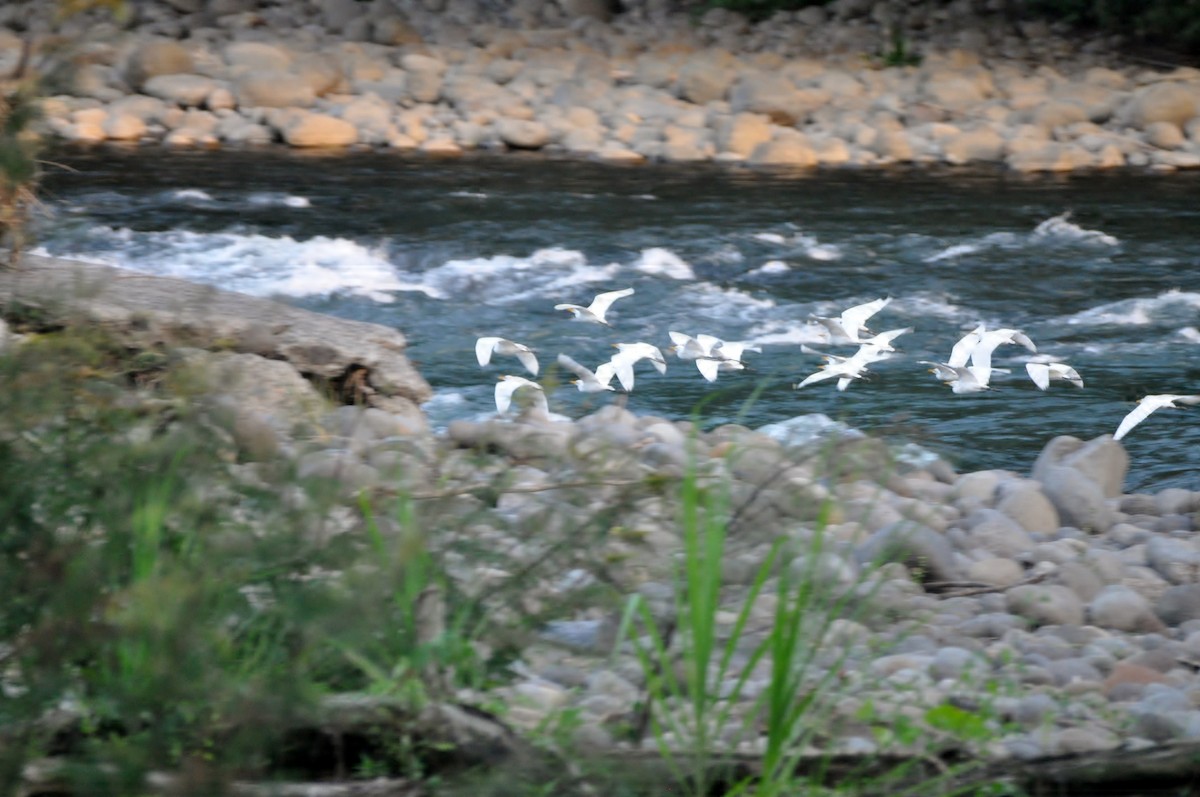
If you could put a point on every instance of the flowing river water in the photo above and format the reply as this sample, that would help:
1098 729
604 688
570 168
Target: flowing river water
1101 271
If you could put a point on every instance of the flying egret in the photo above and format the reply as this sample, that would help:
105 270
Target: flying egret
688 348
486 347
508 385
709 367
1042 373
976 348
720 355
852 321
846 369
595 312
961 378
629 354
586 380
883 341
1147 405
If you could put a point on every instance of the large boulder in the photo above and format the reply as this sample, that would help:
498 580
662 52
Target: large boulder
304 129
1079 500
1168 101
157 57
274 89
190 91
771 94
358 361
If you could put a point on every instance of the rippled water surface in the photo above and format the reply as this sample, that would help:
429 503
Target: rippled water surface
448 250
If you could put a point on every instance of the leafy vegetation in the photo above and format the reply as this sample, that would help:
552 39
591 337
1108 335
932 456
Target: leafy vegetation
1170 23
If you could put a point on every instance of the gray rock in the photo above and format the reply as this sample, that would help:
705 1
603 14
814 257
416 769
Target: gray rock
1179 604
1080 578
1176 560
978 488
340 467
1046 604
997 533
991 625
955 662
997 571
1079 500
918 547
1177 501
1024 502
364 362
1120 608
1074 671
1104 461
1077 741
1035 710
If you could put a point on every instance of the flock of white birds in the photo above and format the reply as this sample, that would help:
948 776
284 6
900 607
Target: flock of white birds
967 370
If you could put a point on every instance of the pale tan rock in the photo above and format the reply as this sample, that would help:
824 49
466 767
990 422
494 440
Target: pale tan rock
189 91
1048 157
706 77
322 73
1164 135
394 31
982 144
1053 114
741 133
318 130
1168 101
124 127
157 57
523 133
274 89
787 148
258 56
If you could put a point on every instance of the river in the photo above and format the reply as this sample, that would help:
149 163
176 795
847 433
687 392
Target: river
1101 271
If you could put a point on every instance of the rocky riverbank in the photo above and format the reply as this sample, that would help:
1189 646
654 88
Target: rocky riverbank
824 86
1059 611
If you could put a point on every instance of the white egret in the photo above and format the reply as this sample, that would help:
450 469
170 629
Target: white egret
961 378
852 321
845 369
629 354
596 311
883 341
508 385
588 381
1147 405
486 347
688 348
1042 373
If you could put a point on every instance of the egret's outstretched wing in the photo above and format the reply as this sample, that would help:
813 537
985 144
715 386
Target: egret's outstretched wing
884 340
855 318
568 362
817 377
963 348
708 367
1039 373
528 359
1136 416
508 385
484 348
1068 373
708 344
603 301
